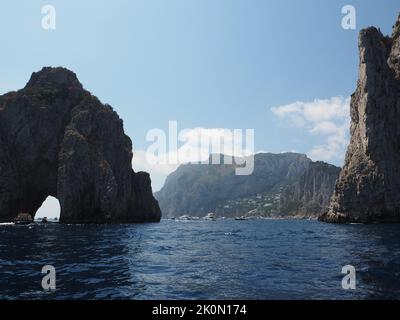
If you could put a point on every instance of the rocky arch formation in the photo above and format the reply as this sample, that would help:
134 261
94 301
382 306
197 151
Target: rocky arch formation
56 139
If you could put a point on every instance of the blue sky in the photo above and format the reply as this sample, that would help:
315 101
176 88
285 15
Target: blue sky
204 63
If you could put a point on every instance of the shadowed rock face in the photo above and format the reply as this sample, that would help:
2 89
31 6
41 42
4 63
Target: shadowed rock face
368 189
310 195
56 139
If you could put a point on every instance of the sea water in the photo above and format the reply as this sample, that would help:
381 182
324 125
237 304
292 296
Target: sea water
223 259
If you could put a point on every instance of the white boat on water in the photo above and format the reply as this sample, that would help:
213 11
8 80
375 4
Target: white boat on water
23 219
210 216
185 217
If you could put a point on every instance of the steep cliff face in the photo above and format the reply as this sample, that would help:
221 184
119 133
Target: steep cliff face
368 188
57 139
311 194
198 189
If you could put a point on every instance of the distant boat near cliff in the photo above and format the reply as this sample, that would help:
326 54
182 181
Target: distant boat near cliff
185 217
240 218
23 219
46 220
210 216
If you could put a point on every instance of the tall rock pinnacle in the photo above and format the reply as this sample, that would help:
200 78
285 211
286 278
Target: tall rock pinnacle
368 189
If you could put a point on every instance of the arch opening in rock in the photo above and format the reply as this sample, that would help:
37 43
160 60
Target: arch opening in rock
50 209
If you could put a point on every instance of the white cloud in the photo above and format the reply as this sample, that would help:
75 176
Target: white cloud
326 128
328 118
196 146
158 172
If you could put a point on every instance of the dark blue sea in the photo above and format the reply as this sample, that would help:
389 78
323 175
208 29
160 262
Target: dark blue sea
224 259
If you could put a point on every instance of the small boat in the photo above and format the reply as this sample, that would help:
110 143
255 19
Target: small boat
241 218
210 216
185 217
23 219
44 220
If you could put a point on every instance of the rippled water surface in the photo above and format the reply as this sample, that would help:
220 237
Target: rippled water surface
257 259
